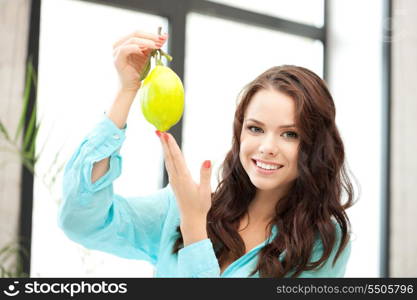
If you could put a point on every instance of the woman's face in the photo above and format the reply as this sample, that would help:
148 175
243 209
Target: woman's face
268 135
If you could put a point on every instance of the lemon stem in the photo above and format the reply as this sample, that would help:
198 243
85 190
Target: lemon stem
158 59
157 55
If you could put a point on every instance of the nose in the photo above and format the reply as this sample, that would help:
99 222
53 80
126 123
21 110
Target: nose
269 146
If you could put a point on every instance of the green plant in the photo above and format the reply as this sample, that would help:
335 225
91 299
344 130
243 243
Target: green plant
23 145
25 151
11 257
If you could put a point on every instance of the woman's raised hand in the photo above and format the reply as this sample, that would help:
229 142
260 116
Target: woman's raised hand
193 199
130 55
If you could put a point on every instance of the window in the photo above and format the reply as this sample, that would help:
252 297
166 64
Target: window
217 67
310 12
77 83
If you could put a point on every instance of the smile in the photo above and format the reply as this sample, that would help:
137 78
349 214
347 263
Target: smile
266 169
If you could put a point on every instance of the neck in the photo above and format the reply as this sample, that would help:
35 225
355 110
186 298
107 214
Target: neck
262 208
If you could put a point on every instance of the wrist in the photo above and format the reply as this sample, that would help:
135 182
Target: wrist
193 222
128 91
125 96
193 231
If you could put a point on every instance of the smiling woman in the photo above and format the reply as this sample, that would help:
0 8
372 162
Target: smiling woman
277 211
302 198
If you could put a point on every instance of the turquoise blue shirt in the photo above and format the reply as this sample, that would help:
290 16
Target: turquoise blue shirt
144 228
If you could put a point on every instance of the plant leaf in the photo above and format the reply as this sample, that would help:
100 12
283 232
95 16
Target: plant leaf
32 146
45 142
146 69
30 132
25 99
9 247
4 131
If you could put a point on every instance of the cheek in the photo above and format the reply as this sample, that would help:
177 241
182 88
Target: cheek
290 150
292 155
245 152
246 148
242 153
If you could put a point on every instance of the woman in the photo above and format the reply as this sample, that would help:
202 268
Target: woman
276 212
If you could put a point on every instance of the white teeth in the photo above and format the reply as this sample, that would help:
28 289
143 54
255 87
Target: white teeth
266 166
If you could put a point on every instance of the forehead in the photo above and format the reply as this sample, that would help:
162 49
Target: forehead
270 106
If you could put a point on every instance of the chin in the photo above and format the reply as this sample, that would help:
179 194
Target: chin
265 186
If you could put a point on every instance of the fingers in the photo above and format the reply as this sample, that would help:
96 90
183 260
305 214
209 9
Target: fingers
174 156
141 35
205 176
143 44
138 42
123 52
167 156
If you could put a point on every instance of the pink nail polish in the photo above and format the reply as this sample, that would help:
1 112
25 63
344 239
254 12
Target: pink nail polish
158 133
165 136
207 164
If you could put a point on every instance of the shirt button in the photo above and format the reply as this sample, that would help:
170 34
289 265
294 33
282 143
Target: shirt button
116 136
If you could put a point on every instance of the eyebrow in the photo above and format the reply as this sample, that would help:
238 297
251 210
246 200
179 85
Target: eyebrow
282 126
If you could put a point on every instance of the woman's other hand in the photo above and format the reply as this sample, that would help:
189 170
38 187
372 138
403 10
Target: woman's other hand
194 199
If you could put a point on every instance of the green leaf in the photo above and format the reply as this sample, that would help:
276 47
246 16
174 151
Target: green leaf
28 163
6 249
30 132
13 250
32 146
167 56
3 272
45 143
4 131
55 159
146 69
57 172
25 100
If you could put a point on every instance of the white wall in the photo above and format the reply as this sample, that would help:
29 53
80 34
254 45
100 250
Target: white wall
404 140
355 62
14 22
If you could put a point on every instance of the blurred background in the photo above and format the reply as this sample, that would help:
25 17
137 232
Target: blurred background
57 79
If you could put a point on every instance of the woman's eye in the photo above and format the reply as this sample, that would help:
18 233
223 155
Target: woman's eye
255 129
292 134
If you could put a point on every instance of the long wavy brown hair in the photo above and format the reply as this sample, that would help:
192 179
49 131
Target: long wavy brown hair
315 197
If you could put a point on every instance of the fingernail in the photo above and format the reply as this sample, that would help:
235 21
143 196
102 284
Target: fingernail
207 164
165 136
158 133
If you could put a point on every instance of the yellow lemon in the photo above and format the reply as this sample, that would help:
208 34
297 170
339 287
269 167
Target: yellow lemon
162 98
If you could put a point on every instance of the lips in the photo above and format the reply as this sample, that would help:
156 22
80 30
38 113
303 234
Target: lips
265 171
266 162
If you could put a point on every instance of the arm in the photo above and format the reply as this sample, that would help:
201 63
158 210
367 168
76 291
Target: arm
197 258
92 215
193 231
130 56
118 113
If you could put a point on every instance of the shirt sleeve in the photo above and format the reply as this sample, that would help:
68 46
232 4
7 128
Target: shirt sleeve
93 216
198 260
328 270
